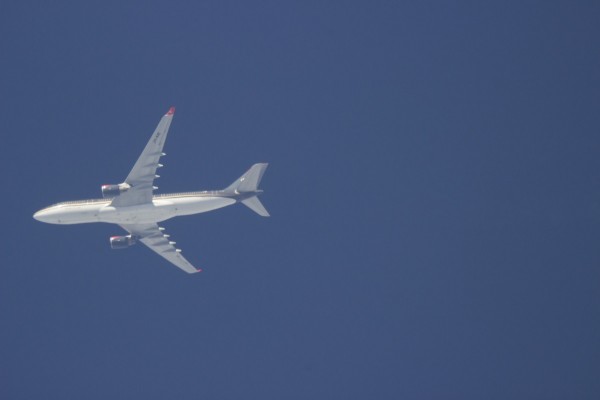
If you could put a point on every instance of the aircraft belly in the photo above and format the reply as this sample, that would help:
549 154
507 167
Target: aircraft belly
195 205
68 215
146 213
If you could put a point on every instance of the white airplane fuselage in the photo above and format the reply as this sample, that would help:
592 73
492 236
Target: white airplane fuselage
163 207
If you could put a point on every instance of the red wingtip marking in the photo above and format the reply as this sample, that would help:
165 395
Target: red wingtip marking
198 270
171 111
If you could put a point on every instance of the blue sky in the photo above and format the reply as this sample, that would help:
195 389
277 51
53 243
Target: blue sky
434 186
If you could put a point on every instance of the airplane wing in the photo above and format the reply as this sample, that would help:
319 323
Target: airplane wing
153 237
141 177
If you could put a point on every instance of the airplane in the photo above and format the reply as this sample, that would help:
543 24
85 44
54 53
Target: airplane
133 205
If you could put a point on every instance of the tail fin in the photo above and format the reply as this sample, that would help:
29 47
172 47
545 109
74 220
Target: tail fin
250 180
248 183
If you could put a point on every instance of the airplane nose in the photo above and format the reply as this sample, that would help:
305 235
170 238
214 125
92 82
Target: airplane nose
48 215
37 215
41 216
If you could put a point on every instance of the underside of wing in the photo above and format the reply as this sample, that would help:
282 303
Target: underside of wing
142 175
153 237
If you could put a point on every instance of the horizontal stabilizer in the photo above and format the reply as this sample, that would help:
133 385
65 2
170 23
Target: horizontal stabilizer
255 205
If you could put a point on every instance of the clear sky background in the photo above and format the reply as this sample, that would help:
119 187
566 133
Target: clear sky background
434 185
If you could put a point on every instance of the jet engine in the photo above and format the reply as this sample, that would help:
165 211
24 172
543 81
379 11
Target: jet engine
114 190
122 242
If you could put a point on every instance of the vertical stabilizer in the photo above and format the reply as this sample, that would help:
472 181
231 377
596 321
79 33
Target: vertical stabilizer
250 180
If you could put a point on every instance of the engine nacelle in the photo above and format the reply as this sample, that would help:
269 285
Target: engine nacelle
114 190
122 242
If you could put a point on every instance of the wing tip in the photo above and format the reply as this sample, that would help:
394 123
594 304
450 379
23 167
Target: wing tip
171 111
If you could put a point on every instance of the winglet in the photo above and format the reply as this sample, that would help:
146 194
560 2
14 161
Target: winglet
171 111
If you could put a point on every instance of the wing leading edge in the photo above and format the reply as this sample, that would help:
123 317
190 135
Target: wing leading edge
142 175
153 237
